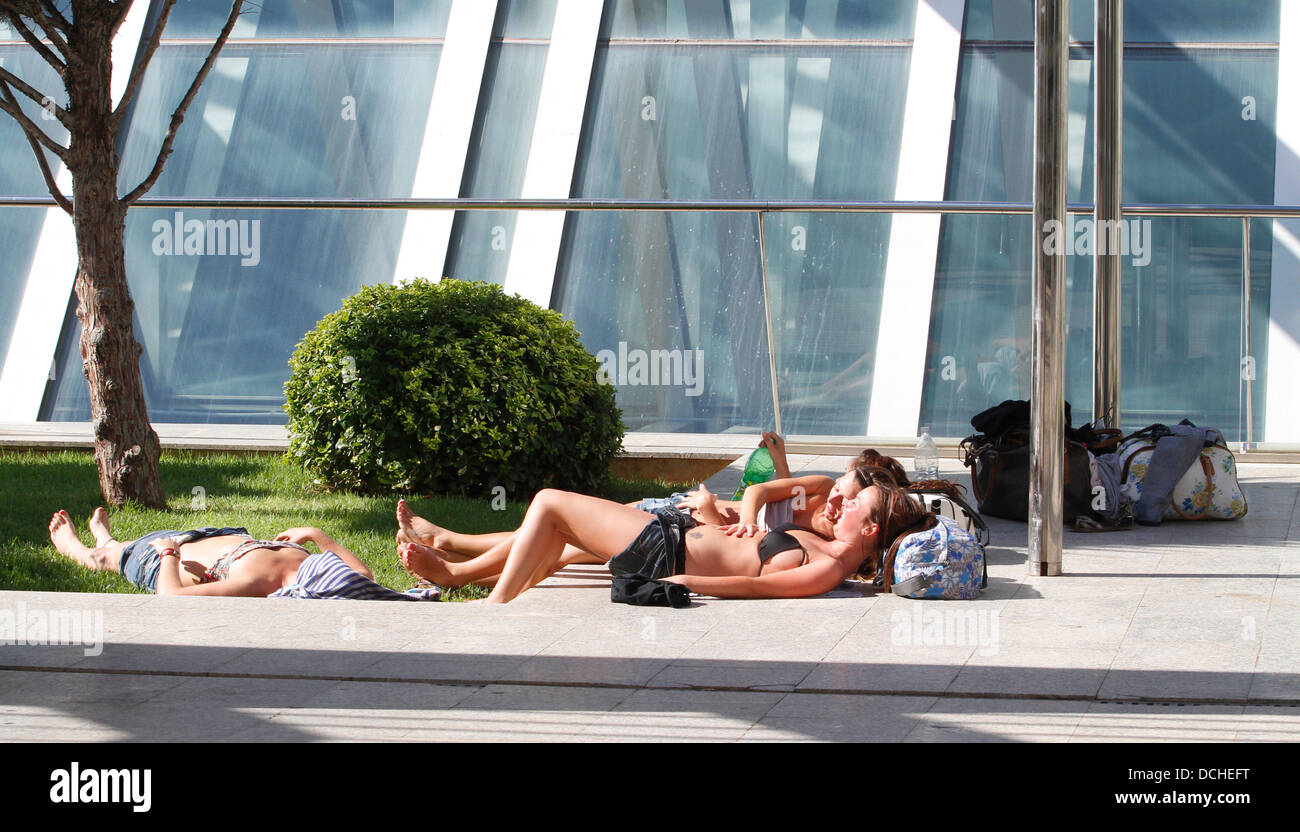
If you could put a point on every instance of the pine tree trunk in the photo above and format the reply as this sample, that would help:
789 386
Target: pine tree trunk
126 446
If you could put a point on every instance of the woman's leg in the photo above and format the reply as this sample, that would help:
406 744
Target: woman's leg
107 554
556 518
434 564
413 528
416 529
429 563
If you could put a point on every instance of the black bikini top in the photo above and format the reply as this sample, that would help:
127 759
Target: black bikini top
778 540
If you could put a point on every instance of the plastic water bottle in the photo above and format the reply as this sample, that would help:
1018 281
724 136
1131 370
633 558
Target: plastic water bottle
925 461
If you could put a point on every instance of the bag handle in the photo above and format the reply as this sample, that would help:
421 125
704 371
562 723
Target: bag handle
1207 468
913 585
1154 431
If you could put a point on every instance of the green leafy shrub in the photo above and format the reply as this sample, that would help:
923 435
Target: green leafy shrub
453 387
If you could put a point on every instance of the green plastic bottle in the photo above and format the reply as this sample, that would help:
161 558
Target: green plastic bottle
759 468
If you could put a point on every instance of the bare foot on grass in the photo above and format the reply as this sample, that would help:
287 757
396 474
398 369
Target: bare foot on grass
415 529
424 562
99 527
63 534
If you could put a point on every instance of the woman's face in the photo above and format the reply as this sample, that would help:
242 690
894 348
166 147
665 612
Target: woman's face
846 487
859 512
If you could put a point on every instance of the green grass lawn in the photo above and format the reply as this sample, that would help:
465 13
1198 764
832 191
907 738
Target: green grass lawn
264 493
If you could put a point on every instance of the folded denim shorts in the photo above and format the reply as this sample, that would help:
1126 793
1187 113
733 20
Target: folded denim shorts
140 560
652 503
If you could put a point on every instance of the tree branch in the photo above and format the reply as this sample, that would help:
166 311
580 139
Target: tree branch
50 26
34 94
41 49
10 105
55 15
142 61
179 115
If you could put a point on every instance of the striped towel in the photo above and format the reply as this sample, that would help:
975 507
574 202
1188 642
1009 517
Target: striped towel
327 576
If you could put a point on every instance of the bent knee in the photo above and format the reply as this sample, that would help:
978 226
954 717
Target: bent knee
549 498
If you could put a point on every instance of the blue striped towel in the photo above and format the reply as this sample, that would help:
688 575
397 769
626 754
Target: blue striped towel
326 576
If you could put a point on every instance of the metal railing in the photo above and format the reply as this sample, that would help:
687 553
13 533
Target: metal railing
675 205
751 206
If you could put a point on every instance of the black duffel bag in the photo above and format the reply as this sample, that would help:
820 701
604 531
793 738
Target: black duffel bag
1000 474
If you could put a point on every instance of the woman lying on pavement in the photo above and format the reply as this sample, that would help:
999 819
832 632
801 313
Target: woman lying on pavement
700 503
803 501
226 561
787 562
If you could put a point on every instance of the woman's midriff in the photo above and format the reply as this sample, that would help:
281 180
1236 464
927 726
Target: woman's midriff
712 552
207 551
198 556
268 562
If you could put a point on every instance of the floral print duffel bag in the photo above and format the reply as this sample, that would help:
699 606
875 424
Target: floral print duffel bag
944 561
1207 491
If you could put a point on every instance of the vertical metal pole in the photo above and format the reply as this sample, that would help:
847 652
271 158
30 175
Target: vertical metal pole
1047 435
1108 141
1248 368
767 316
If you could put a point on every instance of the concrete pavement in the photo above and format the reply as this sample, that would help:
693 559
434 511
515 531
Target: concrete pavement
1188 631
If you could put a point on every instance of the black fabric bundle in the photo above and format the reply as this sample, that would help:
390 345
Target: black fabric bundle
647 592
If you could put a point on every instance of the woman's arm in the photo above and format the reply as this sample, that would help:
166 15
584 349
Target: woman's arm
762 493
705 504
802 582
302 534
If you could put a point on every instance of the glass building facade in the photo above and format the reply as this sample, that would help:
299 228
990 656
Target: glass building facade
834 325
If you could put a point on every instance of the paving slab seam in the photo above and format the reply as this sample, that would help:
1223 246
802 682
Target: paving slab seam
445 682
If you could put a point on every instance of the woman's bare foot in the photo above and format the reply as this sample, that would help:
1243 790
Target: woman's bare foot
99 527
424 562
63 534
415 529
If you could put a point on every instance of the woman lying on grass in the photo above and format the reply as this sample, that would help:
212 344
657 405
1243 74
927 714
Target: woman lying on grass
786 562
226 561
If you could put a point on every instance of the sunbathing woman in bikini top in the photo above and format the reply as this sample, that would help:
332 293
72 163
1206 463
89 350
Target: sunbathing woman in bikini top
705 559
208 561
733 549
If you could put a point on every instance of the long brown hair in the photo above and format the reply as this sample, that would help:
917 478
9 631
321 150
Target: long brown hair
897 516
871 458
875 459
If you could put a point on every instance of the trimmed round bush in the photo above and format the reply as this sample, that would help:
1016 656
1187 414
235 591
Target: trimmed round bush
452 388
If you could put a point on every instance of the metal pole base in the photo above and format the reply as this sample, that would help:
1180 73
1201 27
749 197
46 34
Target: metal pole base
1044 568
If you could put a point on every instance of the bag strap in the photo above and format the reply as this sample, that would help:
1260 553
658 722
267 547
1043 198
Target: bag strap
992 455
1149 432
971 447
982 527
913 585
1207 468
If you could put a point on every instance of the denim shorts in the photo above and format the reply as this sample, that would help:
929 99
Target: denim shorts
140 560
659 550
652 503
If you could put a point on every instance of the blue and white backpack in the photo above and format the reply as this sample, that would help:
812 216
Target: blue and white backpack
944 561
